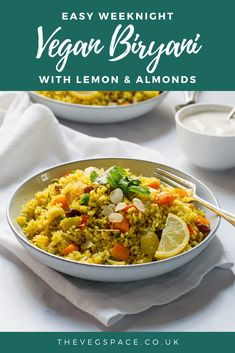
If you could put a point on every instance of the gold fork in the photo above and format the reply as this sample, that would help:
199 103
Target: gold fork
174 181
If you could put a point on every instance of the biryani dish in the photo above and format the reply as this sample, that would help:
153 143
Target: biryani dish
100 98
112 217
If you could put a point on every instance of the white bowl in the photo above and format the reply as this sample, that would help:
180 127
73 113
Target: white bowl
205 151
97 114
106 273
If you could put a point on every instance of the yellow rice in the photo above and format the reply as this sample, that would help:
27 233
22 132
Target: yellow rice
50 225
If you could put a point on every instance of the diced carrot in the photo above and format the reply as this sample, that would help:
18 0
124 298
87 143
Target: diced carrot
181 192
120 252
123 226
191 230
201 219
154 184
84 218
61 200
125 103
70 248
165 198
84 221
129 207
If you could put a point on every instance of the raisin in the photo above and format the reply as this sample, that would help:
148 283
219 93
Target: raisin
88 189
72 213
204 228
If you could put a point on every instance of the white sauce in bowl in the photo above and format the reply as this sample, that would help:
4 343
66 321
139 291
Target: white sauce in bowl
211 123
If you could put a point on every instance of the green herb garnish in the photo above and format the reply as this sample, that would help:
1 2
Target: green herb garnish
93 176
118 178
85 199
143 190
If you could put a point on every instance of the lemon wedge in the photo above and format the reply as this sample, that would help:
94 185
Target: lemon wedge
83 94
175 237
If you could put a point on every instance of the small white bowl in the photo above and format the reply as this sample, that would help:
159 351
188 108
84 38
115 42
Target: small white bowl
92 114
206 151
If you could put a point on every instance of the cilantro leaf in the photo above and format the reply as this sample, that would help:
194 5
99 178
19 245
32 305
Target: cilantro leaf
85 199
118 178
143 190
114 177
93 175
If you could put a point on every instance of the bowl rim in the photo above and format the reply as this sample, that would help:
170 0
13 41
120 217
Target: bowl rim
27 243
100 107
193 107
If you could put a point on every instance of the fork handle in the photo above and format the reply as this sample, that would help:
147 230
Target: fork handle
224 214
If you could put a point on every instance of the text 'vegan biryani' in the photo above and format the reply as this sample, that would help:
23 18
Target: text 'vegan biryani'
112 217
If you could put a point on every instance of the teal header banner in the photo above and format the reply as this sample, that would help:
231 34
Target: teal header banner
110 45
91 342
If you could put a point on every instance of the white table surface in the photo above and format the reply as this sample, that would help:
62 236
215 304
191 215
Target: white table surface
27 304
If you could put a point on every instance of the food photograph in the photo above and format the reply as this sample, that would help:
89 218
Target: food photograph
117 210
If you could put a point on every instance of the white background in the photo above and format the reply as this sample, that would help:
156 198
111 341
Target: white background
27 304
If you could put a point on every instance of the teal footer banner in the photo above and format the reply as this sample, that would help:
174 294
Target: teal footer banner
53 342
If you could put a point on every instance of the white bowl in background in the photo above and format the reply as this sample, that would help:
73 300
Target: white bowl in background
105 273
206 151
97 114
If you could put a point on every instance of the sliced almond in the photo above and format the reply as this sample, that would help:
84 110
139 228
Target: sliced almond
87 245
120 206
107 210
69 197
79 186
112 206
116 196
88 171
139 204
108 230
152 190
115 217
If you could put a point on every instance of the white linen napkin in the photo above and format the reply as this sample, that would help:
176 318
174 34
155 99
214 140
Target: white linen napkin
31 139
